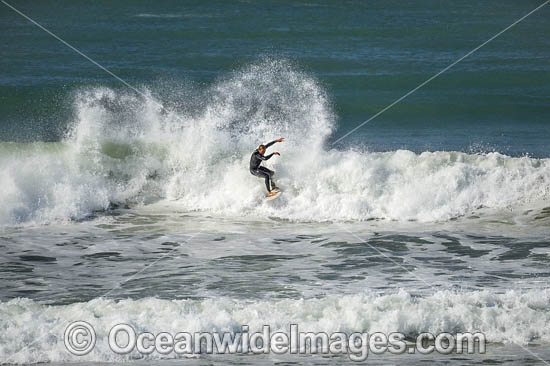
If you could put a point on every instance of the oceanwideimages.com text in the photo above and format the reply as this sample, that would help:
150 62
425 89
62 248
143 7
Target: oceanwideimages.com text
80 339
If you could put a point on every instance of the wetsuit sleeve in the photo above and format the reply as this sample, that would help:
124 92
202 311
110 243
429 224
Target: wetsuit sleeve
270 143
265 157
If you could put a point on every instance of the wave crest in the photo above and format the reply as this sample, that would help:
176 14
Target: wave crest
128 149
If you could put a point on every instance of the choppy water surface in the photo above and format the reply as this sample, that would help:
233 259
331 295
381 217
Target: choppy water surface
162 267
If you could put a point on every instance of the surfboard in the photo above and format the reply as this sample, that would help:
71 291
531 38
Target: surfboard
269 198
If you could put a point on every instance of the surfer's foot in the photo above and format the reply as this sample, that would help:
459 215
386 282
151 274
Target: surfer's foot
270 194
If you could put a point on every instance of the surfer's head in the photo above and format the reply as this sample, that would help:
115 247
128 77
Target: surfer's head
261 149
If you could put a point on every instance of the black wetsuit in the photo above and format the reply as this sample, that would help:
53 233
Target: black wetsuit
260 171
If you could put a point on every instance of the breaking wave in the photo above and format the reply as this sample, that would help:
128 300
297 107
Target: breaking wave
128 149
519 317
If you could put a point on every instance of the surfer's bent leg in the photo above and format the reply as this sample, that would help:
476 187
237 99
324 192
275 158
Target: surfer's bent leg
269 178
268 171
263 174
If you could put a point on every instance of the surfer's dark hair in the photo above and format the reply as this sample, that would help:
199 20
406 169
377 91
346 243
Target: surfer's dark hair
261 147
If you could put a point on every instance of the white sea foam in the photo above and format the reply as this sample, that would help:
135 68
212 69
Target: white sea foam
127 149
511 317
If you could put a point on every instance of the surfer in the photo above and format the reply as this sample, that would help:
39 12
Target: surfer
259 171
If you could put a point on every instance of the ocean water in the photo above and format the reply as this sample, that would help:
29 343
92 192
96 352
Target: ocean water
132 207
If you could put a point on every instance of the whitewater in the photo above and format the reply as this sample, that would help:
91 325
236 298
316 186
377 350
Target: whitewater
191 145
512 317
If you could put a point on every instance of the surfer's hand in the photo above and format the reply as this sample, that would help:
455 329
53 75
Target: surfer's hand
276 153
280 139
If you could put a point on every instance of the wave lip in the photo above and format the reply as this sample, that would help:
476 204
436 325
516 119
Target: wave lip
520 317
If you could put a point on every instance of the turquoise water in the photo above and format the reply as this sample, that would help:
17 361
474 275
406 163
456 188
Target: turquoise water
365 55
138 207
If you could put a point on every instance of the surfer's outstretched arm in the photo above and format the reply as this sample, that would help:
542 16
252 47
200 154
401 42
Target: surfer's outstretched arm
274 141
266 157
